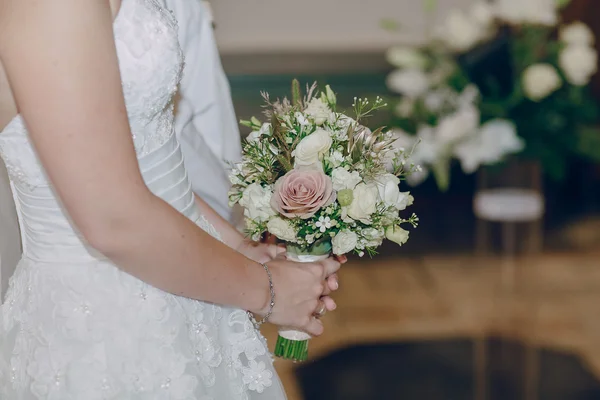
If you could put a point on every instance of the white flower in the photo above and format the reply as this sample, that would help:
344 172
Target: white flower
344 242
577 33
482 12
318 110
256 201
460 32
336 158
323 223
410 82
468 96
373 237
540 80
406 57
579 63
396 234
495 139
343 179
389 192
234 175
405 107
255 135
458 125
312 148
435 100
256 376
282 229
364 203
301 119
344 121
539 12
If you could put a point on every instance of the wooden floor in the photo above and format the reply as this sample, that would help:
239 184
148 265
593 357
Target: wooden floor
551 300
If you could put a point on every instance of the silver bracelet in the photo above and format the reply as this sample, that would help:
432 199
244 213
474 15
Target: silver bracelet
256 323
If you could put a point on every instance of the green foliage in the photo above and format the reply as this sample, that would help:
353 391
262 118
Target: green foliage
552 127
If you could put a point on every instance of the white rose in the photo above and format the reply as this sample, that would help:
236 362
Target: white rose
343 179
579 63
344 242
460 32
540 80
539 12
255 135
311 149
282 229
364 202
256 201
406 57
577 33
397 234
410 82
318 110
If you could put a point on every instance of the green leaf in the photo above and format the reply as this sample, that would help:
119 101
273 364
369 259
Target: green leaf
562 3
588 142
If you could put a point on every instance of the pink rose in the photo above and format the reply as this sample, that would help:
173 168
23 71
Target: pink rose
302 192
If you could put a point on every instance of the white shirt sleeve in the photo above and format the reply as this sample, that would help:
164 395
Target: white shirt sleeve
205 120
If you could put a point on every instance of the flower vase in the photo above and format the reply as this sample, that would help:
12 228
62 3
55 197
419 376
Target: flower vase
293 344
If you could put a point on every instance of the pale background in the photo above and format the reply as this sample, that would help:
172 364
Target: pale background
266 26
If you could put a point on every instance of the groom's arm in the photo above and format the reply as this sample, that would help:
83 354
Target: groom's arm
205 122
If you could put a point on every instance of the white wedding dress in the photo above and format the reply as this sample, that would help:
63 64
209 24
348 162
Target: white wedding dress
75 327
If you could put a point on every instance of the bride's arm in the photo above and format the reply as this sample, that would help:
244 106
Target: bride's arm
61 62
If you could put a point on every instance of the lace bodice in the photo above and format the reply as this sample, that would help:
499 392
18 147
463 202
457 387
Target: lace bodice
151 64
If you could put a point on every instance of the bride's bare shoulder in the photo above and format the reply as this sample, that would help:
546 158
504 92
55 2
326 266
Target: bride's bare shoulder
8 108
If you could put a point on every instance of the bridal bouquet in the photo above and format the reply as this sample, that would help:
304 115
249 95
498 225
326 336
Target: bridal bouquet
322 183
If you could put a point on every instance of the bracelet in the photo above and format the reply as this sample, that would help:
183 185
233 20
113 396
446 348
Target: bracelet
256 323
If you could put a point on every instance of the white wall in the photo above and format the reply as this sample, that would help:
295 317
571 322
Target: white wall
245 26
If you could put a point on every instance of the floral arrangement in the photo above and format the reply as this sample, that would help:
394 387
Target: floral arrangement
321 182
499 78
312 175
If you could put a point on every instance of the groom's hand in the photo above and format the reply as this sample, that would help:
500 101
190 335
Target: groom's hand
261 252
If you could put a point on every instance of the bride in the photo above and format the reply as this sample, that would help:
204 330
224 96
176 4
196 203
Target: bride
129 286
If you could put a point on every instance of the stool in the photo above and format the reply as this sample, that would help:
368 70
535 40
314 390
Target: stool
507 206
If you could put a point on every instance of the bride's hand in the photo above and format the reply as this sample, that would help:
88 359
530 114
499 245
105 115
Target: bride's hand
260 252
299 288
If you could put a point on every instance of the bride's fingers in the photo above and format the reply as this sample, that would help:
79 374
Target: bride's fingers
273 250
329 303
342 259
314 327
280 249
330 266
332 282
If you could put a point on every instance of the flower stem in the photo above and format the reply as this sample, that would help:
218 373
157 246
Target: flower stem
295 350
